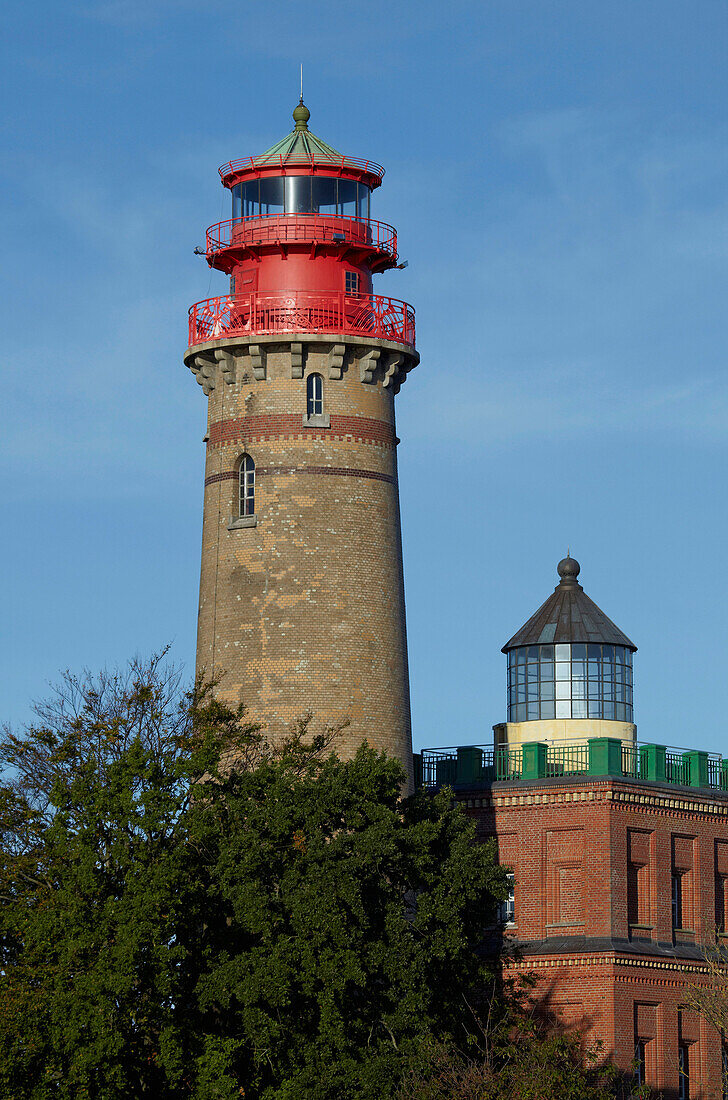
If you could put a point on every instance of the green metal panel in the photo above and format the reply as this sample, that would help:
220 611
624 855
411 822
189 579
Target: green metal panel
605 756
444 772
470 764
698 765
654 756
534 760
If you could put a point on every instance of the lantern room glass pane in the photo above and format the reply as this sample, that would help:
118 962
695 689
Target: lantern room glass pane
324 195
271 196
298 194
348 198
595 683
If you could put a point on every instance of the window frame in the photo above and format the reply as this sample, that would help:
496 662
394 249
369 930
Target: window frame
507 907
683 1064
314 395
676 899
640 1061
246 486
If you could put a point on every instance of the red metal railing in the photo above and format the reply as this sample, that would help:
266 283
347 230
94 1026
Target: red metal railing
289 228
253 164
301 311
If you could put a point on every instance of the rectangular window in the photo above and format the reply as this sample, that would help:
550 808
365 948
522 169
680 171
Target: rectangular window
639 858
721 891
507 908
352 282
633 893
677 899
721 885
640 1062
683 1061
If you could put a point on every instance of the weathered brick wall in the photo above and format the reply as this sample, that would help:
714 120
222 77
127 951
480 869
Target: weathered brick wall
578 848
305 611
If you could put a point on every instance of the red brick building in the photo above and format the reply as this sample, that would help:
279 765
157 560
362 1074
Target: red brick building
618 850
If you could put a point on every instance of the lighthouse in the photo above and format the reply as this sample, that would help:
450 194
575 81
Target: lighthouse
301 589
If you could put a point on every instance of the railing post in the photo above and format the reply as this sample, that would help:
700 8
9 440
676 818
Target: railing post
469 764
724 775
656 757
534 760
605 756
698 766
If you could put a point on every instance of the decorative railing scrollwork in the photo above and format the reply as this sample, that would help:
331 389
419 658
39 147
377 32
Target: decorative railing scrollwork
301 311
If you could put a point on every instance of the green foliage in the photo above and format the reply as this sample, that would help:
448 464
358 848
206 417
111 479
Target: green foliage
187 913
521 1058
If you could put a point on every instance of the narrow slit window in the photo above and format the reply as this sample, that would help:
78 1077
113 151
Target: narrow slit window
640 1062
683 1052
314 395
247 486
677 899
507 908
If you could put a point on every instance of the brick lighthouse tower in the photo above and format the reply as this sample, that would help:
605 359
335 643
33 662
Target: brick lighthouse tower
302 591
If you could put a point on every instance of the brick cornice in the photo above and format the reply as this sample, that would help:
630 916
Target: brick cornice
253 429
648 798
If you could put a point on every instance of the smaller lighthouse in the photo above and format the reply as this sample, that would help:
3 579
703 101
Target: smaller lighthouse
569 672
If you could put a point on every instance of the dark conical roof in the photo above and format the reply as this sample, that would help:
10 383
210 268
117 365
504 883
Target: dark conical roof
569 616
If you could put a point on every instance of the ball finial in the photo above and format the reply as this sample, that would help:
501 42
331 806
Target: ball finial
568 569
301 115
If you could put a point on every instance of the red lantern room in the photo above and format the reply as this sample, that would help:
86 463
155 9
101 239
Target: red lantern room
301 246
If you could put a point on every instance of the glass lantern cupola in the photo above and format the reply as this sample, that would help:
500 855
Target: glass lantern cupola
569 660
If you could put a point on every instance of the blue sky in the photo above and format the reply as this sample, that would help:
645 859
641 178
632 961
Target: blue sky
558 174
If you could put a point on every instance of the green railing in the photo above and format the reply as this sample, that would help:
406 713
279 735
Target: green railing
472 765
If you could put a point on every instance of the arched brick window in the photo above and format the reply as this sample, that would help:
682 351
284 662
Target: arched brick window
314 395
246 479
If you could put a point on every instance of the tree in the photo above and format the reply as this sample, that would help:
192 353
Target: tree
522 1060
188 913
707 993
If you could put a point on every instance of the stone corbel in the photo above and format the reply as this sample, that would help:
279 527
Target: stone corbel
257 361
391 374
336 360
205 371
227 365
296 360
368 364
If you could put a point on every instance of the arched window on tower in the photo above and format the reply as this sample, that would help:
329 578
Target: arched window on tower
246 479
314 395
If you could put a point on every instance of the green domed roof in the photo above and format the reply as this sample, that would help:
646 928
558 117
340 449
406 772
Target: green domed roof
300 144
